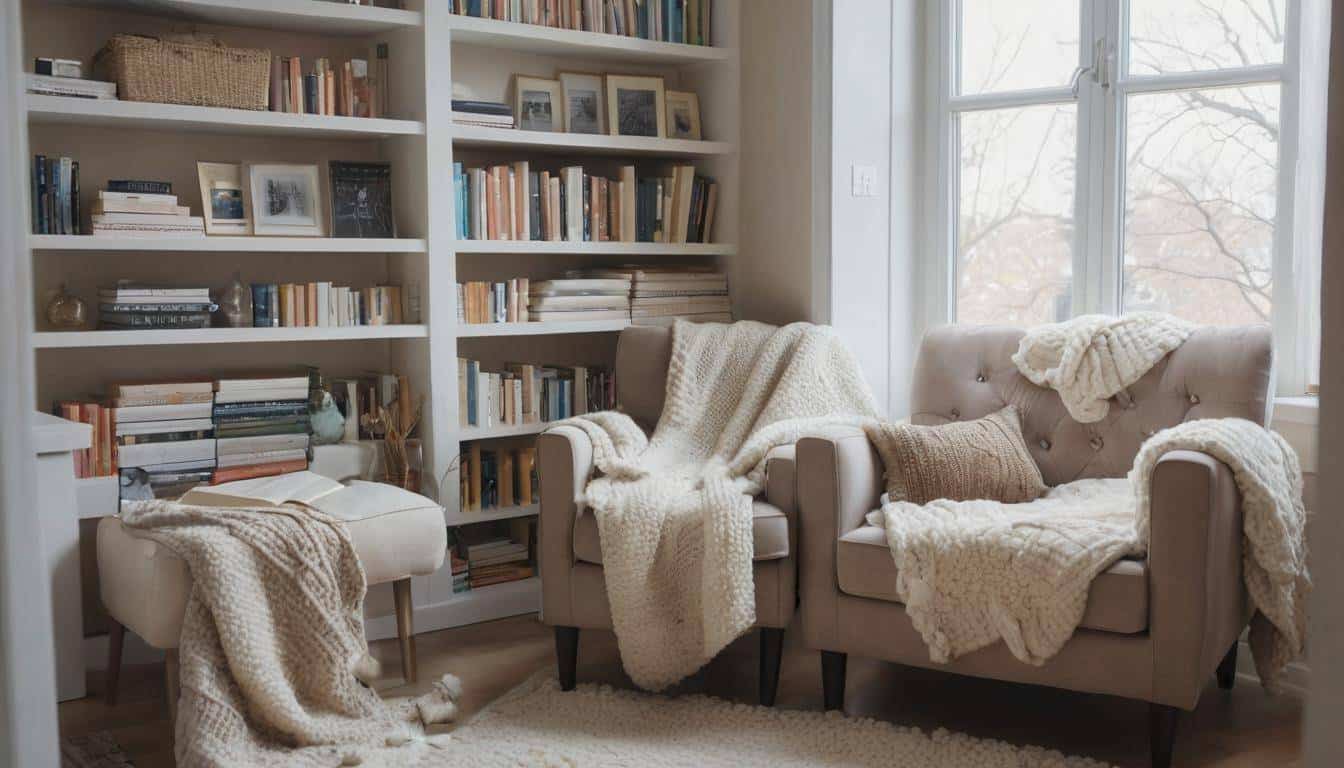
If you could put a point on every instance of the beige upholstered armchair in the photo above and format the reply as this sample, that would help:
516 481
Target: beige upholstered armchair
1155 629
573 588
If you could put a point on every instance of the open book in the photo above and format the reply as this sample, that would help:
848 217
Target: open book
357 501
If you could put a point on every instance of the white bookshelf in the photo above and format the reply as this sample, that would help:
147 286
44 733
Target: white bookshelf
431 51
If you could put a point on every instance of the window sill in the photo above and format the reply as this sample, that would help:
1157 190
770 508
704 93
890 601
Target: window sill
1303 410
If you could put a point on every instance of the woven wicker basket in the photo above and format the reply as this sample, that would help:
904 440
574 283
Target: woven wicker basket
199 72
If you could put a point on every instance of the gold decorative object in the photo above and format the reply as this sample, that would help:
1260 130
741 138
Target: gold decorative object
397 468
67 311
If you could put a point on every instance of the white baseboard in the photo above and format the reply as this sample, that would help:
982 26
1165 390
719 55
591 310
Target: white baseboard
1293 680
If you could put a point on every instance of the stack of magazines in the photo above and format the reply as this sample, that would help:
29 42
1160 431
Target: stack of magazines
130 306
486 114
50 85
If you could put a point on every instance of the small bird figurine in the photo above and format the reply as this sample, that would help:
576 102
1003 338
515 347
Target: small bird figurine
325 420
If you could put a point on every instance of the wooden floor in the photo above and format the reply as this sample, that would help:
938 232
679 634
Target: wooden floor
1245 727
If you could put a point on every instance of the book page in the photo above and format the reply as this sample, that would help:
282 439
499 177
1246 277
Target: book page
361 500
304 487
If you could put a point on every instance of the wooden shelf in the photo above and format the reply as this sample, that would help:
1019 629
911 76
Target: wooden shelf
585 143
308 16
228 244
84 339
507 430
122 115
564 247
477 330
494 513
549 41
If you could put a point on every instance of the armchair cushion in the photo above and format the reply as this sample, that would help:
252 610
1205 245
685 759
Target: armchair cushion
1117 602
769 527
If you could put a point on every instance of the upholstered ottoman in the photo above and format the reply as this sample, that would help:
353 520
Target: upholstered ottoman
145 586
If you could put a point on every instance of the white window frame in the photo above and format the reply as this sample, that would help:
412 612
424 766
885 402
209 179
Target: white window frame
1099 195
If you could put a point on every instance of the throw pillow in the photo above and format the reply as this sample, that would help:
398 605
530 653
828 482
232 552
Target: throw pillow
982 459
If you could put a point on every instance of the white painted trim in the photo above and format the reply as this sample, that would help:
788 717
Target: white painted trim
822 71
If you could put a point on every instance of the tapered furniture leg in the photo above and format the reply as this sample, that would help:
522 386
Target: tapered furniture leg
116 638
1162 733
401 594
1227 669
567 655
833 679
171 682
772 649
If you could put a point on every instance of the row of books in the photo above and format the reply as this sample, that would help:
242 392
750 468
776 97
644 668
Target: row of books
492 553
498 477
514 202
295 305
524 393
351 89
132 306
485 114
671 21
125 210
480 301
55 196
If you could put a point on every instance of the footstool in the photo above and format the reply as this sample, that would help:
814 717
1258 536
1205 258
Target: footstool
145 586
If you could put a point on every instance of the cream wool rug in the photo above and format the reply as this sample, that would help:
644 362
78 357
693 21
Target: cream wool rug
600 727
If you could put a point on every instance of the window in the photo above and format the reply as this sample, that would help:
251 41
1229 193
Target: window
1103 156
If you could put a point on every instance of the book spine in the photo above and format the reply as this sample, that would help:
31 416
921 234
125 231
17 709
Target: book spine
140 187
75 213
260 305
40 195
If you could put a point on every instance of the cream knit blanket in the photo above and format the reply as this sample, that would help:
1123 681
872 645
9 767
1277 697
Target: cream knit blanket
272 640
974 572
674 510
1091 358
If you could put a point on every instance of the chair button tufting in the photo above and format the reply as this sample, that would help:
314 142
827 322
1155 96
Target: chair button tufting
1194 399
1045 444
1096 443
980 378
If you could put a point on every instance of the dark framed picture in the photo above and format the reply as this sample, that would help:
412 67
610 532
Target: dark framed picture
361 200
683 115
536 104
636 106
584 110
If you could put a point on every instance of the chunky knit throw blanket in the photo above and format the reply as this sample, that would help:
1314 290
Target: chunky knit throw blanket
1091 358
974 572
272 640
674 510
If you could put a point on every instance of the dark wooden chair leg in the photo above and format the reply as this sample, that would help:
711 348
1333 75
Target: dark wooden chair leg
1162 733
833 679
401 596
567 655
772 650
1227 669
116 638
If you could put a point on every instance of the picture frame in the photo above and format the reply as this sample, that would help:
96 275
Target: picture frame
223 199
285 199
636 106
361 199
683 115
537 104
581 95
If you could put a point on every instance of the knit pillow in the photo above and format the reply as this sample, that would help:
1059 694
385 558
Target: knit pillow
982 459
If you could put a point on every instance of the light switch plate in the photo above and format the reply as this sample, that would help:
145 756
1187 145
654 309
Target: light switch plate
863 181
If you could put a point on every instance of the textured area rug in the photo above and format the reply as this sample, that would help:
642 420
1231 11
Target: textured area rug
597 726
95 750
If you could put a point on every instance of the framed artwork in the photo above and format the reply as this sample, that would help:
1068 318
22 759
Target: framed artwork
361 200
222 203
285 199
683 115
636 106
582 97
536 104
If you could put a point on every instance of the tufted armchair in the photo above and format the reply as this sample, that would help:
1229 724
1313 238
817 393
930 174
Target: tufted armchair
1154 629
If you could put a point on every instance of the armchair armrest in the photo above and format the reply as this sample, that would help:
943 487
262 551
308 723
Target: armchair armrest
564 464
1196 597
781 484
839 482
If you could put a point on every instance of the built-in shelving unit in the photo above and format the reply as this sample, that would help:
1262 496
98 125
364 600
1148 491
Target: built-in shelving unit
482 330
158 338
547 41
562 247
467 136
369 245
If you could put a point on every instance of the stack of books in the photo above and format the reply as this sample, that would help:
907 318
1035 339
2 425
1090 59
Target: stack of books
134 306
480 301
461 574
261 426
165 436
502 477
100 458
56 196
516 202
143 209
486 114
660 295
669 21
295 305
580 297
352 89
78 87
496 552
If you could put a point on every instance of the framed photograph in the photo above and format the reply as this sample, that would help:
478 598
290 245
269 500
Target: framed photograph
584 111
636 106
222 202
285 199
536 104
361 200
683 115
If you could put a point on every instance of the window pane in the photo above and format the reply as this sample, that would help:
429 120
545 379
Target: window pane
1015 215
1010 45
1193 35
1200 201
